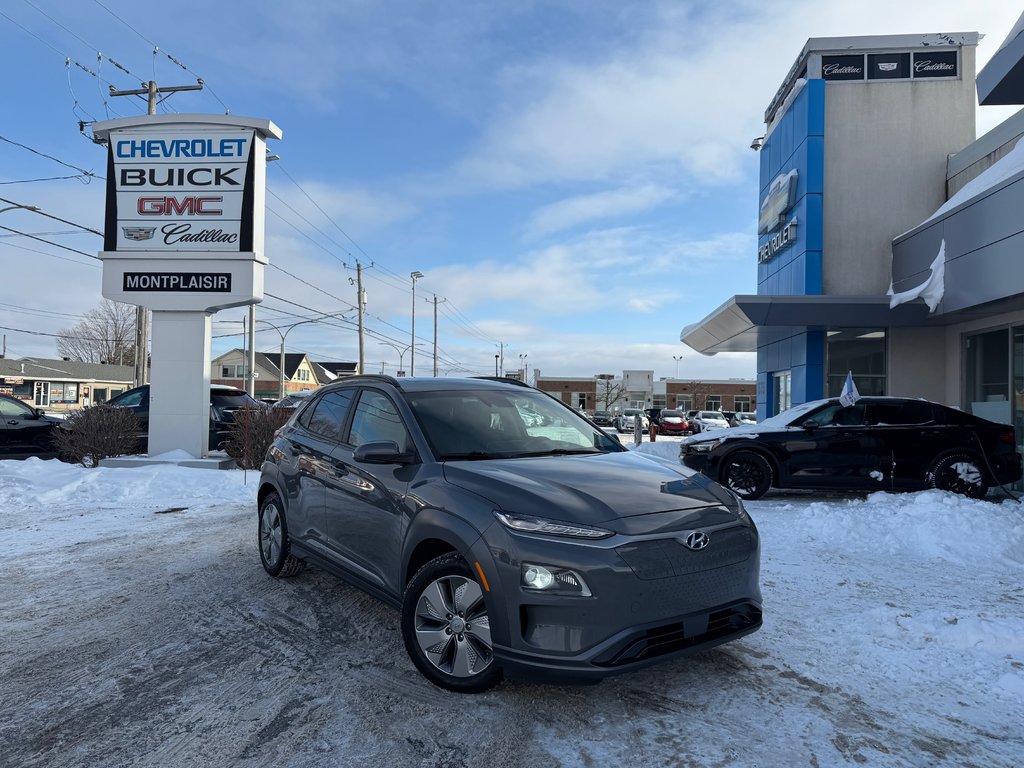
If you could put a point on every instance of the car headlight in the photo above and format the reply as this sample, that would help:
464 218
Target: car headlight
704 446
552 579
527 524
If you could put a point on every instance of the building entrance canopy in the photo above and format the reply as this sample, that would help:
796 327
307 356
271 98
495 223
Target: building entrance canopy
743 323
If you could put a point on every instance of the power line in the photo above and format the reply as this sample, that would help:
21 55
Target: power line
82 171
48 242
51 216
156 49
314 226
326 215
99 56
52 255
48 178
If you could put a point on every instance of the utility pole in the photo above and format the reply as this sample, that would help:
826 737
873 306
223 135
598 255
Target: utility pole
361 306
141 313
435 333
412 341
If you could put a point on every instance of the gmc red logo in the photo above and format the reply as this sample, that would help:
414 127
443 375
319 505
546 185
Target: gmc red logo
185 206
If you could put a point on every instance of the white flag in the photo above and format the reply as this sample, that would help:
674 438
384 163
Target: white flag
849 395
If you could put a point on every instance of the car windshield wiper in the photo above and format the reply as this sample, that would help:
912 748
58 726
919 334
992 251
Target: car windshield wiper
560 452
468 456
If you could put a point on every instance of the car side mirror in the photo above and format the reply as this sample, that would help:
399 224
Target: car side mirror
381 452
810 425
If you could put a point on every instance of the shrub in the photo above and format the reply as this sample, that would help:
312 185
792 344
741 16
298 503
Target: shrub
252 433
96 433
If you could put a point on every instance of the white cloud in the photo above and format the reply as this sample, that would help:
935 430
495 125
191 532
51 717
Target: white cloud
609 205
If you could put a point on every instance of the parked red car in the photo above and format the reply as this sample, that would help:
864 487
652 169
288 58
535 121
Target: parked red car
672 422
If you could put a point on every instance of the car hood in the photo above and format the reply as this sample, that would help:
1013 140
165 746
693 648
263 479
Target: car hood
626 492
743 430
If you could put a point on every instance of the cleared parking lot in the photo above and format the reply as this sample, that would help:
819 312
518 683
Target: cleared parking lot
135 635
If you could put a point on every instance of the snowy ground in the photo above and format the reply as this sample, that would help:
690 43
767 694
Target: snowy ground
136 633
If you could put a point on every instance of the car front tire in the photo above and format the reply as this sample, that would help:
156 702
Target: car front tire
275 546
747 474
960 473
446 627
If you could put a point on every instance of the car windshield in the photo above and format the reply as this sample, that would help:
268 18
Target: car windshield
671 414
489 424
226 401
791 417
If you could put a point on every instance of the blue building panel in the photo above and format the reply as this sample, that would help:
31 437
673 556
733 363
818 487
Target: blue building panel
797 142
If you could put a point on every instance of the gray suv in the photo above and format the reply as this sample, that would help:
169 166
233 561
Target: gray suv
511 544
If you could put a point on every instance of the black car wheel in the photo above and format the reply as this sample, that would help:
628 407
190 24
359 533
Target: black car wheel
275 547
446 628
959 473
747 474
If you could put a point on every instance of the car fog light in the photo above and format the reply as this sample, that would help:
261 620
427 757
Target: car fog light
553 580
537 577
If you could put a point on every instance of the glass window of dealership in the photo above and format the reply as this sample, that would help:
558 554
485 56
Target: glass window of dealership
889 236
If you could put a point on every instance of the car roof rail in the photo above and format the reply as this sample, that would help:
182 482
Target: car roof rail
504 380
374 376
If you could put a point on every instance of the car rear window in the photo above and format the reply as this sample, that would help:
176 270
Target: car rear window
226 402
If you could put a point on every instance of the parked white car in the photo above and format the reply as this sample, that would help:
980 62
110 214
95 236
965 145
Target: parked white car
741 418
625 421
711 420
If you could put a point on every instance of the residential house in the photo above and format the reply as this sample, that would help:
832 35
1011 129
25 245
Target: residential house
63 385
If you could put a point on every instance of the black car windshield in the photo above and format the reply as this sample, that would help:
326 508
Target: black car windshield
225 402
489 424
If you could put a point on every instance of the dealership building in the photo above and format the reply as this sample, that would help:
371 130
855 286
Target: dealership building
890 240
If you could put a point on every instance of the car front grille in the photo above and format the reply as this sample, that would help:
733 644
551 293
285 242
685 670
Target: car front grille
692 633
668 558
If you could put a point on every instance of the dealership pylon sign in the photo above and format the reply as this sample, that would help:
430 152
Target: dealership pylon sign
183 236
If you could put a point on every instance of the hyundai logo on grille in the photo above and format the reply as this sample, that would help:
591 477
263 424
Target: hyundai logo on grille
697 540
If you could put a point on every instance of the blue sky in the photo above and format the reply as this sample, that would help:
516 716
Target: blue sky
574 179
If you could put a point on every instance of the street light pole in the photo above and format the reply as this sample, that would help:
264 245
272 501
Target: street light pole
284 335
412 342
677 358
400 350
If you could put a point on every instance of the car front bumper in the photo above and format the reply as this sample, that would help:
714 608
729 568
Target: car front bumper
652 599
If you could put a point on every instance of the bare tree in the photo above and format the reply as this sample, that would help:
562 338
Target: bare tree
608 391
698 391
105 334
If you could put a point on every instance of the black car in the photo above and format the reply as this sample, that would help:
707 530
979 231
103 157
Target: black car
511 544
602 418
877 444
225 401
25 430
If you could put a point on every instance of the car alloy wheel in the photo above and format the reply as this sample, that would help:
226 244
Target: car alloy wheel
747 474
273 540
446 627
959 473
